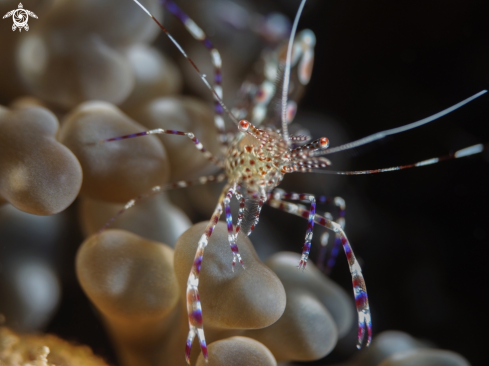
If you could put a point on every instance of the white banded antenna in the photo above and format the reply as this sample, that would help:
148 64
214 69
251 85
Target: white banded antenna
393 131
285 89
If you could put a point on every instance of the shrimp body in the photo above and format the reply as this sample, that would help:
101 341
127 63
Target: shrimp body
257 164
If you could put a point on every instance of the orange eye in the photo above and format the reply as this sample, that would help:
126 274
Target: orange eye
244 125
324 142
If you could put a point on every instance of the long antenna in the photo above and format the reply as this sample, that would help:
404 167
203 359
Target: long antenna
285 89
468 151
202 76
393 131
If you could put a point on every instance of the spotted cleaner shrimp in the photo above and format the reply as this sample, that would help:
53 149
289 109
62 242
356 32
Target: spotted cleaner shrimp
256 160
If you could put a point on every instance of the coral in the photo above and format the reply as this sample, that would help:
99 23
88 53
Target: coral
112 172
157 218
38 174
238 351
125 278
252 317
43 350
393 348
67 60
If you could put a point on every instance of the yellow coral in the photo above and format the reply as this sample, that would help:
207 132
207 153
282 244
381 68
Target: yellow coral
43 350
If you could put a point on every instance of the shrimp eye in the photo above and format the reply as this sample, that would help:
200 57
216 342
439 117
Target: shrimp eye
324 142
243 125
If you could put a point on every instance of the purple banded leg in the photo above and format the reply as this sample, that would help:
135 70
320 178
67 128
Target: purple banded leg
161 131
157 189
340 203
279 194
229 222
324 239
322 251
359 288
199 35
216 59
194 307
333 254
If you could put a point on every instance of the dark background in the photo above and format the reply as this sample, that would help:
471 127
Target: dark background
422 235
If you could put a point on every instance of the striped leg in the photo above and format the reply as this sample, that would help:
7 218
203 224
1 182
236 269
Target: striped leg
157 189
332 255
199 35
261 201
194 307
359 288
229 220
161 131
242 205
340 203
324 239
216 59
279 194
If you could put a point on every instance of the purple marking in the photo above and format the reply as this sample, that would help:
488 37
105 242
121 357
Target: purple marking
175 10
218 108
347 251
208 43
218 77
334 254
234 248
126 136
198 263
196 316
196 141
